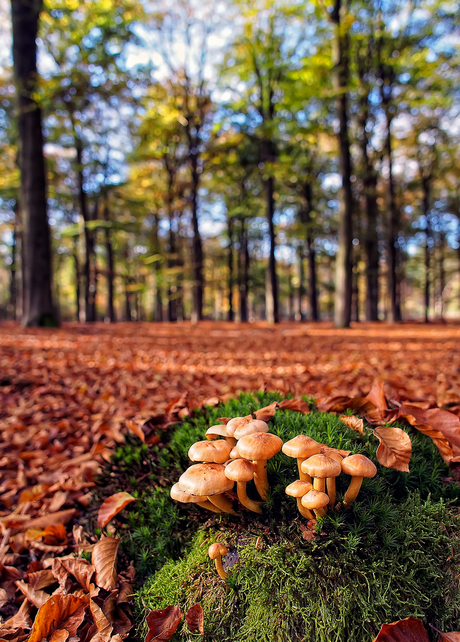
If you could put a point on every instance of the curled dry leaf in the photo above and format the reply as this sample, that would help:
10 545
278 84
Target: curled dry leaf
35 596
409 630
355 423
298 405
446 422
450 637
40 579
362 405
395 448
59 612
438 438
112 506
21 619
104 559
136 429
265 414
195 619
60 635
104 627
377 396
162 623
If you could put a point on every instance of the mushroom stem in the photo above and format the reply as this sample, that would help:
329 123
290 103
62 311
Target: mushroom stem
331 490
260 478
221 502
220 568
320 512
209 506
302 476
319 483
305 512
231 441
244 499
353 490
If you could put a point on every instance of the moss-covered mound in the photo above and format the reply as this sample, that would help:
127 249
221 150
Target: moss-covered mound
391 555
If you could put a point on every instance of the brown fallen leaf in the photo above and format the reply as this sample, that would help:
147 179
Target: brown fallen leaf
446 422
454 636
395 448
60 635
409 630
104 558
35 596
59 612
104 627
53 519
82 570
40 579
195 618
21 619
162 623
112 506
438 438
362 405
376 395
355 423
265 414
297 405
136 429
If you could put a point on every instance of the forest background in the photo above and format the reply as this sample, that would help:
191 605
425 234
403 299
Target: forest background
241 161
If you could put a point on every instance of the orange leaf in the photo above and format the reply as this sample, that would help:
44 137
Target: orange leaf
195 619
376 395
298 405
409 630
137 430
104 558
438 438
355 423
104 627
36 597
60 635
454 636
111 506
162 623
362 405
439 419
55 534
40 579
265 414
59 612
395 448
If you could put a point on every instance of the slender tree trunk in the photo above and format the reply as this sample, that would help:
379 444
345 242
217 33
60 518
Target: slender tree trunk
110 266
301 291
230 314
172 258
76 261
394 312
442 273
428 242
158 302
13 273
198 258
243 271
38 306
344 266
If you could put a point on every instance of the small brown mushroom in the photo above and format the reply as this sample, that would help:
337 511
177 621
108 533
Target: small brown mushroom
220 431
358 466
234 423
316 501
298 489
320 467
210 451
209 480
186 498
258 448
301 447
215 552
241 471
250 428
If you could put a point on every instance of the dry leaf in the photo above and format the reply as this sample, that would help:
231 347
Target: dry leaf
103 625
446 422
104 558
395 448
40 579
21 619
195 619
362 405
36 597
265 414
134 428
377 396
162 623
409 630
298 405
355 423
438 438
60 635
454 636
59 612
112 506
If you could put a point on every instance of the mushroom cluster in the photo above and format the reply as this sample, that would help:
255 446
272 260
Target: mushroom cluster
319 465
238 453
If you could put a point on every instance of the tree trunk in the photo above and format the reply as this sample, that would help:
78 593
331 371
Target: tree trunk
243 268
428 242
77 279
311 254
301 291
13 273
394 311
230 314
442 274
273 290
172 288
344 266
198 267
38 309
110 266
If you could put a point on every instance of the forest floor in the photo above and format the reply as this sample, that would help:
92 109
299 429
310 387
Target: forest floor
66 395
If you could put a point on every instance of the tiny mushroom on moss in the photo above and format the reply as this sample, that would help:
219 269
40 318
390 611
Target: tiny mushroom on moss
301 447
220 431
186 498
215 552
259 447
298 489
241 471
316 501
208 480
358 466
210 451
321 467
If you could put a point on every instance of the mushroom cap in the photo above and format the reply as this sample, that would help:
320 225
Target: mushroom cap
298 488
315 499
344 453
321 466
358 466
234 423
183 497
301 447
205 479
250 428
211 451
216 431
234 454
217 549
332 453
240 470
259 446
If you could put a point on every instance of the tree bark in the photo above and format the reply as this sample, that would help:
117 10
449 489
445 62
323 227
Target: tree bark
198 258
77 279
230 314
311 254
301 291
270 199
38 309
344 266
110 266
13 273
243 267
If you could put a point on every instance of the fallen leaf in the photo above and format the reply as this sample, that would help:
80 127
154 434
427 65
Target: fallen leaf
362 405
195 618
136 429
395 448
438 438
265 414
446 422
35 596
409 630
376 395
104 558
162 623
454 636
60 635
59 612
82 570
40 579
21 619
298 405
355 423
103 625
112 506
